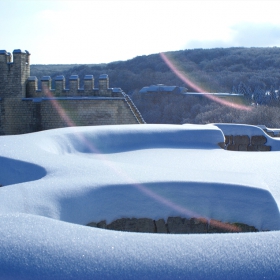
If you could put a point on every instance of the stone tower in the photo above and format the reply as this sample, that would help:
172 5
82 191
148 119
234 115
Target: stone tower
14 73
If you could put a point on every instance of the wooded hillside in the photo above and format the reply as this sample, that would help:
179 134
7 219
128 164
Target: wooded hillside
215 70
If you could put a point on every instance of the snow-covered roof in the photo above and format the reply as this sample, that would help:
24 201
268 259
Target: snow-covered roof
116 90
103 77
39 99
57 181
88 77
74 77
32 78
46 78
18 51
60 78
163 88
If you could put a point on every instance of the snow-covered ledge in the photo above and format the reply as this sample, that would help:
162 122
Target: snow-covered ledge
242 137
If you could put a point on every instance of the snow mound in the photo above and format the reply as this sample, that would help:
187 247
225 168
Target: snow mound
34 247
115 139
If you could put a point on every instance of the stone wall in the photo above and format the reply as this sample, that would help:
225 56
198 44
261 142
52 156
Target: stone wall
246 143
173 225
16 117
61 113
27 116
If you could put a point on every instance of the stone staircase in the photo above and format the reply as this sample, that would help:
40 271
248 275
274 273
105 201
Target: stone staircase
134 109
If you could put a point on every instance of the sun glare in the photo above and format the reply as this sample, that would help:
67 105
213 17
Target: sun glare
185 77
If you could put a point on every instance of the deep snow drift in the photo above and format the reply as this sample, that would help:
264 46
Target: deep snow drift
57 181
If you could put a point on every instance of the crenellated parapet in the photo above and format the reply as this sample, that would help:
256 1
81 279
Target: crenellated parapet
74 89
16 82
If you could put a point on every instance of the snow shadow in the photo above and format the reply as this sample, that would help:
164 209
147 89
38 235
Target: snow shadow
16 171
223 202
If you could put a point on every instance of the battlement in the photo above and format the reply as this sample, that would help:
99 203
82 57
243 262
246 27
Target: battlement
15 81
74 89
18 57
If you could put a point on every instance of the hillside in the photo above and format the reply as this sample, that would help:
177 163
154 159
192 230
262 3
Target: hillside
214 70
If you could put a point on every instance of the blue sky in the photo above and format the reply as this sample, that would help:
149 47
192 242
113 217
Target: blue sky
68 32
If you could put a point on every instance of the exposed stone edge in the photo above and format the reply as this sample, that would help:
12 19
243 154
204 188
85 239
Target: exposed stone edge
246 143
173 225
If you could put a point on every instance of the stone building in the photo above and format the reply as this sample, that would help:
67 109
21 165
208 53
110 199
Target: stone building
24 108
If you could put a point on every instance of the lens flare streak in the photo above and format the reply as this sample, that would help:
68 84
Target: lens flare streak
120 173
184 77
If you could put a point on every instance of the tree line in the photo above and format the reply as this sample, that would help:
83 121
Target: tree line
160 108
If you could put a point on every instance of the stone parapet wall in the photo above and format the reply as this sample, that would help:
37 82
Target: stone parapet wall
30 115
18 116
173 225
246 143
62 113
74 89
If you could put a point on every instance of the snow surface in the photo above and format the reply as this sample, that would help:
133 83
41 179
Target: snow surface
57 181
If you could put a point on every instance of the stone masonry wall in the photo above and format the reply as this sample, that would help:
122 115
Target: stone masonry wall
25 116
62 113
246 143
17 117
